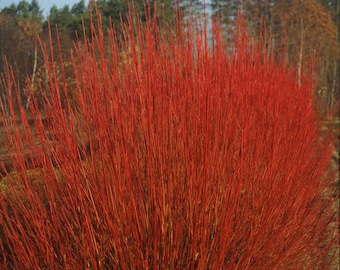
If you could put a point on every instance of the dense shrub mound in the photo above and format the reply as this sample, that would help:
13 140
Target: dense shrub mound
173 152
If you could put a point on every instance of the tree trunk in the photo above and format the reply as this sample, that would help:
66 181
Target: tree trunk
33 75
301 51
335 72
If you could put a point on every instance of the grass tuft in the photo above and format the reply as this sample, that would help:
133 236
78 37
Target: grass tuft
173 153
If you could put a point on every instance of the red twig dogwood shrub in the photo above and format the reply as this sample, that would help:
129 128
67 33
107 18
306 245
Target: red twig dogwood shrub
175 154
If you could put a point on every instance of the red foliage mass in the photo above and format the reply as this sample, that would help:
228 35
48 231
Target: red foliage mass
196 159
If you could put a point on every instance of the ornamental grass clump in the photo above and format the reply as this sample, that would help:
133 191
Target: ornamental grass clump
174 152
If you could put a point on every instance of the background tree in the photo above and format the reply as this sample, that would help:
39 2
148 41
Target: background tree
225 10
333 7
311 32
21 26
307 29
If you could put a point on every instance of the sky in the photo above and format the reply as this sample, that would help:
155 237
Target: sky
45 5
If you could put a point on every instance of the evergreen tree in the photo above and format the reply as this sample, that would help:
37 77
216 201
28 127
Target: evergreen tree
225 10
